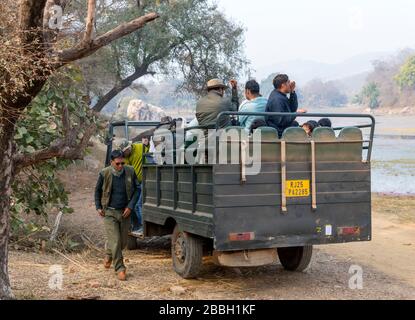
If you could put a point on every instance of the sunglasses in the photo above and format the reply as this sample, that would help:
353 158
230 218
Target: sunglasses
120 164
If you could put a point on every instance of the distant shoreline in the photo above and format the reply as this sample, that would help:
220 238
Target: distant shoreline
395 195
360 109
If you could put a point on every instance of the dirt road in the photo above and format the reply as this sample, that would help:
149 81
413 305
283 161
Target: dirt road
388 264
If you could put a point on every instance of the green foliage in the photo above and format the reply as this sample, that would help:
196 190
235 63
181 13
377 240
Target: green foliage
394 79
406 76
191 42
369 96
36 189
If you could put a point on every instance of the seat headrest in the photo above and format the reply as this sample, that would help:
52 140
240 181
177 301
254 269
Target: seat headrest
324 134
294 134
351 133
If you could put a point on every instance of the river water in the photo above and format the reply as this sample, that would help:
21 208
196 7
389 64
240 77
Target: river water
394 155
393 165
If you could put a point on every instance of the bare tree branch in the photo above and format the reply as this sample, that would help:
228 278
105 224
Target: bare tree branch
83 50
125 83
66 148
90 22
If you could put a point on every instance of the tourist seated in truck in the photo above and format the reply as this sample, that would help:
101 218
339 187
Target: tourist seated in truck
309 127
257 123
211 105
295 124
254 103
279 102
325 123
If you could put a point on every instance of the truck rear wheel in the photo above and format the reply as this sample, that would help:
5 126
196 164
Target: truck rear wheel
295 258
187 253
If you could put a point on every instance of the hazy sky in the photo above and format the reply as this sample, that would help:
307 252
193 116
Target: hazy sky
322 30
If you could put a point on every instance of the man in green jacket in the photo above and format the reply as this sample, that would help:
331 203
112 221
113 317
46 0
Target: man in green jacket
210 106
116 194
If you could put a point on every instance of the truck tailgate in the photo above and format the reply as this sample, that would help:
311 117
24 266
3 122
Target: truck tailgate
250 215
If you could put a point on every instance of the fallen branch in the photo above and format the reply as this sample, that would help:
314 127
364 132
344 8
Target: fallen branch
69 259
88 242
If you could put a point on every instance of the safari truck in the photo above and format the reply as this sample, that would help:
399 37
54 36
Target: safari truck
309 191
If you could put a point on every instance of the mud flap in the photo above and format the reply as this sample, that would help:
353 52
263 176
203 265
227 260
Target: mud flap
247 258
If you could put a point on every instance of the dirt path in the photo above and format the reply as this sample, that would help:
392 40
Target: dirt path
388 264
392 250
152 277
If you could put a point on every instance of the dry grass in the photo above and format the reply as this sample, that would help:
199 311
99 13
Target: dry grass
396 208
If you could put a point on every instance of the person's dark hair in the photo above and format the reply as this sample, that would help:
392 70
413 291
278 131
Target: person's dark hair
116 154
257 123
313 123
295 124
325 122
279 80
252 86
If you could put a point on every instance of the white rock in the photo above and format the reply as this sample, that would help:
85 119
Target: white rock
138 110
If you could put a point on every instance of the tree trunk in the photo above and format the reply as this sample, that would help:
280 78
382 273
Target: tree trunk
31 19
6 174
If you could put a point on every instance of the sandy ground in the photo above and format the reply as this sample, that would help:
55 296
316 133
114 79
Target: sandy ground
388 263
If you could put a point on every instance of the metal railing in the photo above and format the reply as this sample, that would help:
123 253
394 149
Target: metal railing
372 125
126 124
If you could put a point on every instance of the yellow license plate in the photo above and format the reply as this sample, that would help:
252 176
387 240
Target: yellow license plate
297 188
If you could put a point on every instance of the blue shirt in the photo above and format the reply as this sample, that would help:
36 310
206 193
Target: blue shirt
256 105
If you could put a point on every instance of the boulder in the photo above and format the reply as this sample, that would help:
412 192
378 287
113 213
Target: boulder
139 110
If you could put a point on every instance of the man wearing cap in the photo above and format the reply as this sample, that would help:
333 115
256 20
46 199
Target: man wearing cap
210 106
134 155
116 194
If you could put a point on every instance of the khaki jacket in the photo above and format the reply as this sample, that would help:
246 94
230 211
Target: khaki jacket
210 106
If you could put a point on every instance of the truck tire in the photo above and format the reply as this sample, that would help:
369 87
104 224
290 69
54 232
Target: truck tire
187 253
132 243
295 258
